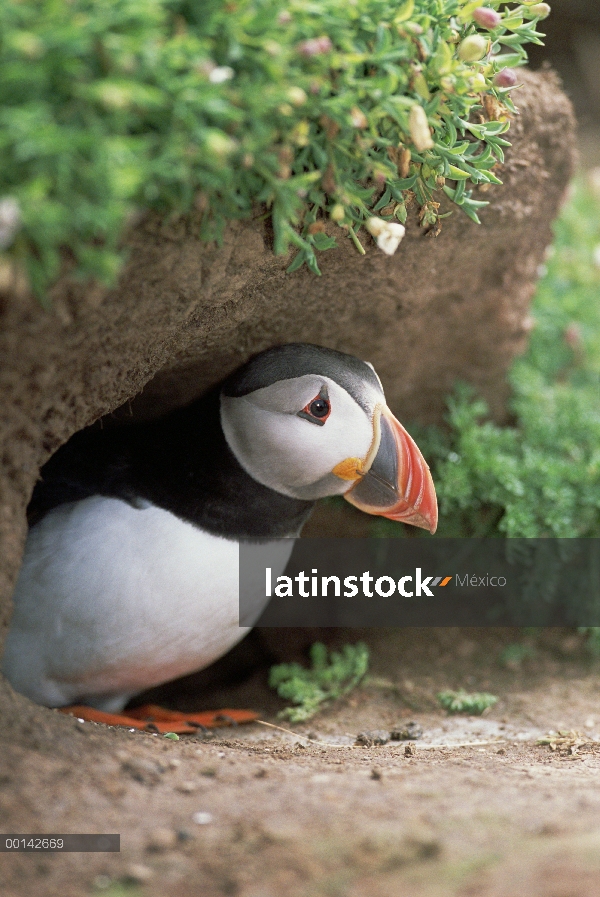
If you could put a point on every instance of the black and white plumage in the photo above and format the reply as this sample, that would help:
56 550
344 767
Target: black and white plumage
130 571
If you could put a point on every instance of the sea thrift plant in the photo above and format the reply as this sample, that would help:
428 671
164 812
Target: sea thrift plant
337 110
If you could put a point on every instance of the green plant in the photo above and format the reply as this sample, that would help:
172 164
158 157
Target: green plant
513 655
315 110
593 639
462 702
329 677
540 476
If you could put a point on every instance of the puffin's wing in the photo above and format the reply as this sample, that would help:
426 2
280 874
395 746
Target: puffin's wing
92 462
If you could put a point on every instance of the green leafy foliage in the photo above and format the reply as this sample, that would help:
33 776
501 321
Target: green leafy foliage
462 702
329 677
315 110
541 476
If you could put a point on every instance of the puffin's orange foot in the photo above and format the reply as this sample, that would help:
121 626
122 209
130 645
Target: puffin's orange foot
152 718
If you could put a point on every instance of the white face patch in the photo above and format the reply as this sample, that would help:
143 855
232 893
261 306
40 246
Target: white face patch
288 453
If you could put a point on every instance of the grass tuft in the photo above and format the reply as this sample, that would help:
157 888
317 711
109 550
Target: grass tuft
330 676
462 702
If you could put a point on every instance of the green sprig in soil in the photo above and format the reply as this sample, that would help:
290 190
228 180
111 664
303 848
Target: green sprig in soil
330 676
462 702
314 110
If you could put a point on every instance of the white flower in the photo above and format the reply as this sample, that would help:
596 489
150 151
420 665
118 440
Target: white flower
358 118
387 233
419 128
221 73
10 220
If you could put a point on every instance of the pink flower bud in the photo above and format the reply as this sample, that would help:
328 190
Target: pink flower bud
572 336
486 17
505 78
315 46
325 44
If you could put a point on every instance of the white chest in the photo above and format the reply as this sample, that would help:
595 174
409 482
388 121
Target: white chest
112 600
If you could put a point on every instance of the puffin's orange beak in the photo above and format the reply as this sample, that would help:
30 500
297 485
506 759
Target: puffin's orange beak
397 483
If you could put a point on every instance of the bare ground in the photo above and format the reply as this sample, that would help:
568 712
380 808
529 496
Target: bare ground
474 807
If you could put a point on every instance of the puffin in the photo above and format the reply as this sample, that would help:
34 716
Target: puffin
130 576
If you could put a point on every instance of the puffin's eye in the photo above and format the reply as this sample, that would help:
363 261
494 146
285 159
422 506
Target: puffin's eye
318 410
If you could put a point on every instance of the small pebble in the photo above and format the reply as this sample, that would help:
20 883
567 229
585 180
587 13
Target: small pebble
406 732
202 818
187 787
142 770
138 874
371 739
161 839
376 775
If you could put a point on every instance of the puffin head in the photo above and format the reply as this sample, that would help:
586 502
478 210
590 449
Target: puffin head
310 422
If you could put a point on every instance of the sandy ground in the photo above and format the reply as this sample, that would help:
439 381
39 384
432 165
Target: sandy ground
474 807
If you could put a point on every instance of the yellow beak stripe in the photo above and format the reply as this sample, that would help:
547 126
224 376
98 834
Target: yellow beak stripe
349 469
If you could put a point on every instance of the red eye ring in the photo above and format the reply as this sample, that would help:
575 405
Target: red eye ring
317 410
